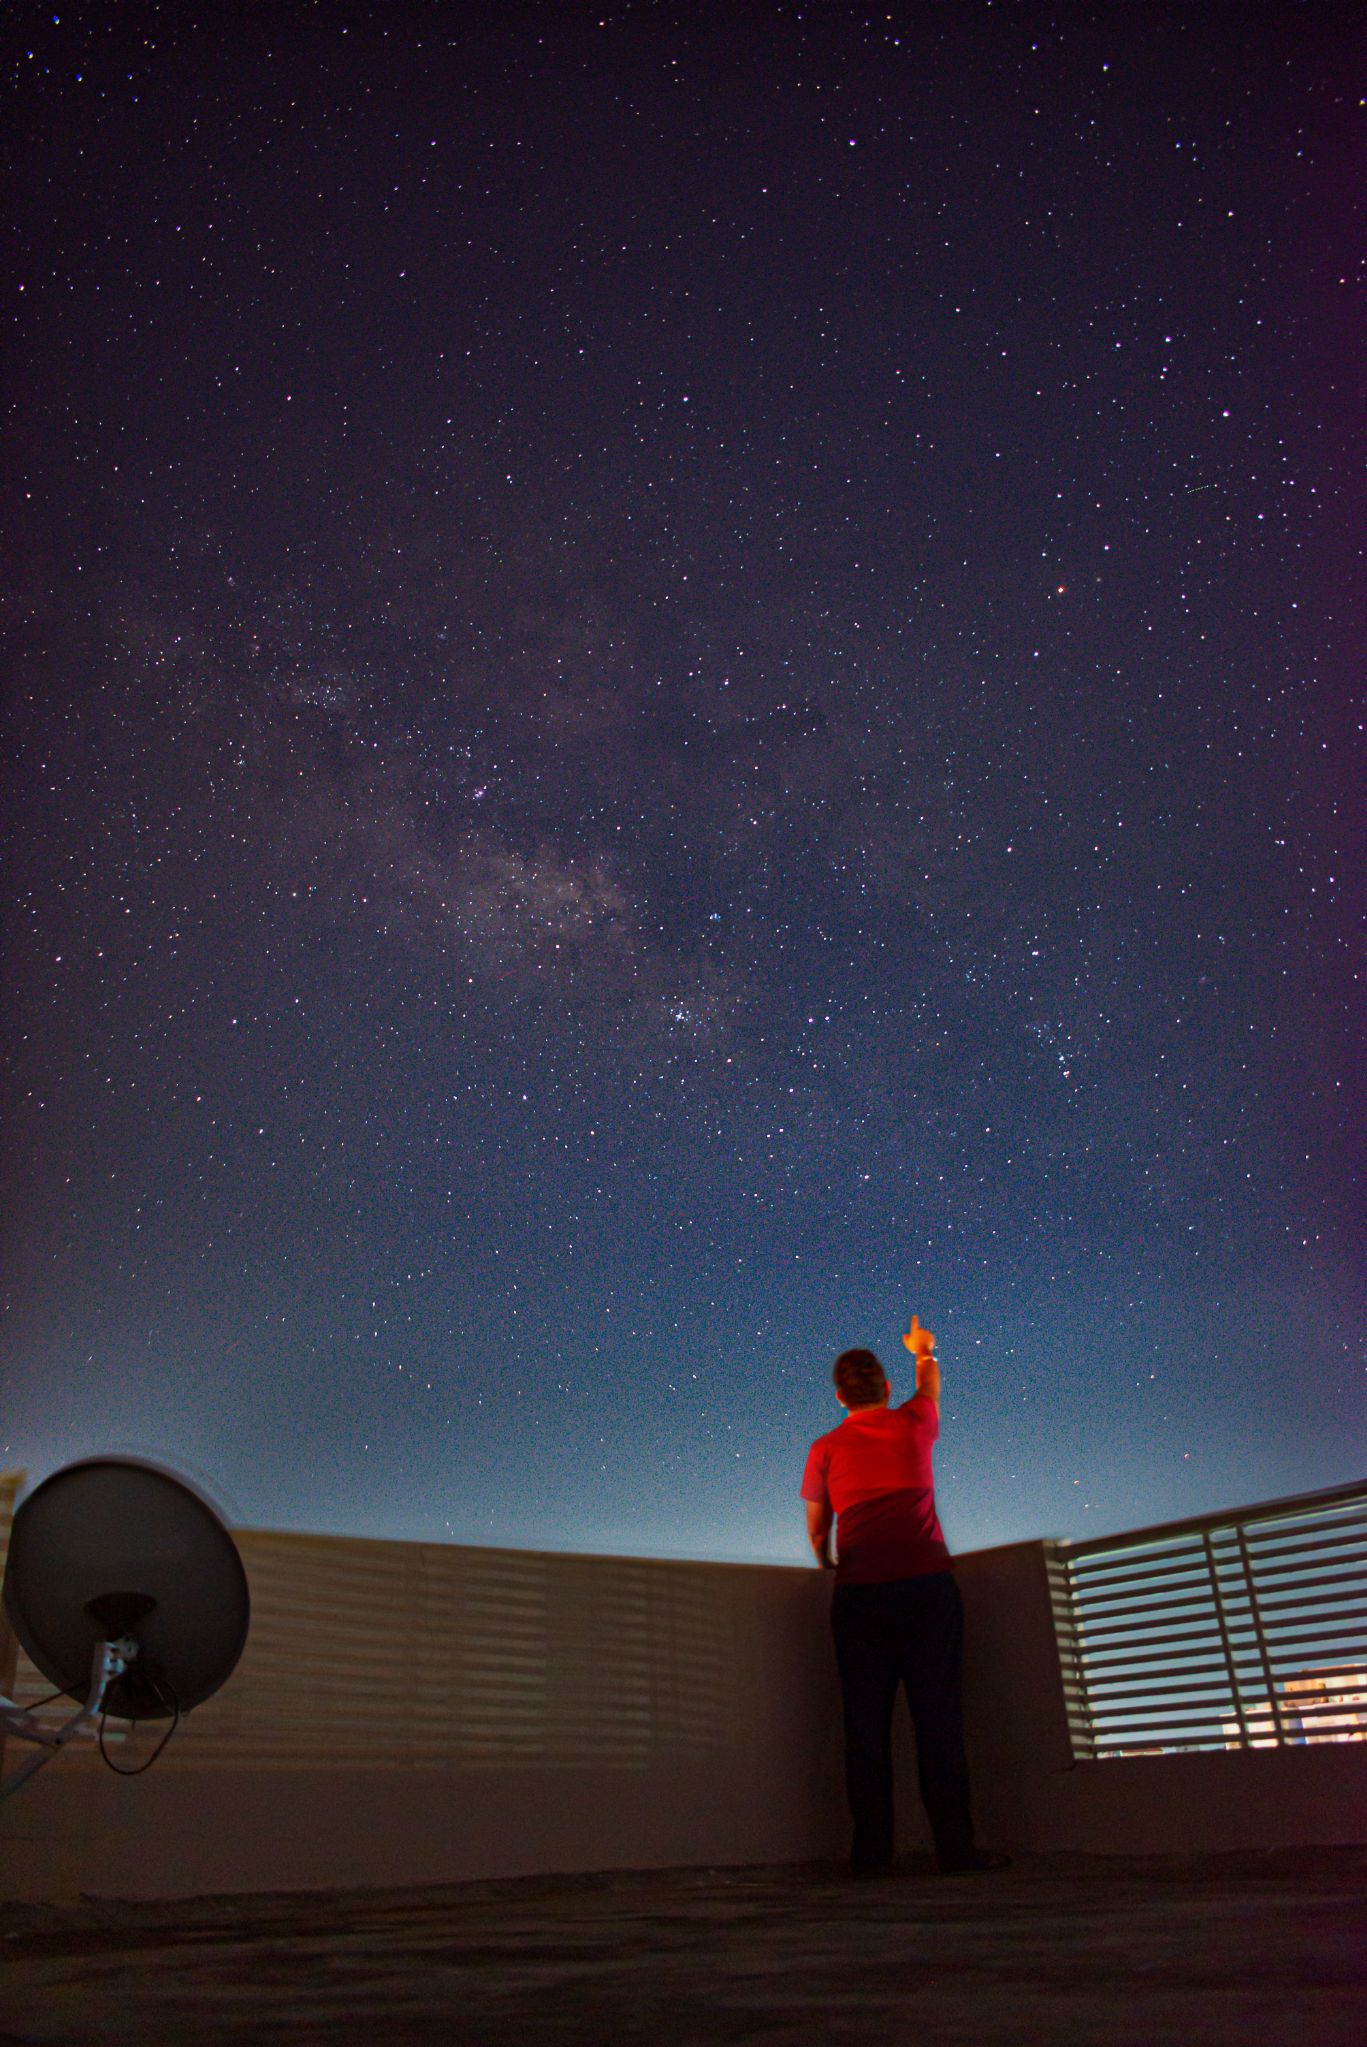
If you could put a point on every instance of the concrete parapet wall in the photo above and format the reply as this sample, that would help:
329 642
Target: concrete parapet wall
412 1713
1029 1796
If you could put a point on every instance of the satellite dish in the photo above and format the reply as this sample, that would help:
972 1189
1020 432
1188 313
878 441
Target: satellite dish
127 1592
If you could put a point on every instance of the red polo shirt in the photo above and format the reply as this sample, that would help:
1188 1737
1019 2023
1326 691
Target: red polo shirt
875 1473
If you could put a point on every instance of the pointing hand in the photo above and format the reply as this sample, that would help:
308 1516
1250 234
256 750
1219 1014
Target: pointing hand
918 1341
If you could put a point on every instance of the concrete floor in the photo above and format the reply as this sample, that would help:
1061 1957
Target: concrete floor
1230 1951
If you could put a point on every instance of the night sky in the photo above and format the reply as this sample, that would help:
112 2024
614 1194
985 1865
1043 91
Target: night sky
680 679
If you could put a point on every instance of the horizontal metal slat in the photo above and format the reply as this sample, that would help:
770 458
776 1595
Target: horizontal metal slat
1102 1585
1169 1600
1147 1667
1289 1653
1295 1578
1299 1604
1259 1535
1204 1649
1098 1584
1165 1734
1125 1754
1108 1640
1311 1546
1177 1710
1171 1620
1158 1691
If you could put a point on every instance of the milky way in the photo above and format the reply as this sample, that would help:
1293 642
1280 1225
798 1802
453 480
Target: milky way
682 685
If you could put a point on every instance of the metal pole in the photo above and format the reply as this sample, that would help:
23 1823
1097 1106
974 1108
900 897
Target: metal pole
1226 1639
1264 1654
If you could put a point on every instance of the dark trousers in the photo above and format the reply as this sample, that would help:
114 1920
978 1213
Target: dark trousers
909 1632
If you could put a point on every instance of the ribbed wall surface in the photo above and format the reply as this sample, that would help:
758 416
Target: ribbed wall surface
375 1653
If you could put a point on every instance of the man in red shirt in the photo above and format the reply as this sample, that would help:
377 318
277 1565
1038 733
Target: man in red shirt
896 1613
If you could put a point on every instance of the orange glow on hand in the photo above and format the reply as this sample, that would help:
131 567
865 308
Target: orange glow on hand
920 1342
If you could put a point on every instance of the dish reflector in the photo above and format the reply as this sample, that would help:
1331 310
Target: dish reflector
110 1547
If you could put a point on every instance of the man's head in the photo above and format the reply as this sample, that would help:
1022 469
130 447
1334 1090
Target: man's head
860 1380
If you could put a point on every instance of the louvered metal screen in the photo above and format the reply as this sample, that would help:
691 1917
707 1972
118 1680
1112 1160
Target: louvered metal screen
1239 1630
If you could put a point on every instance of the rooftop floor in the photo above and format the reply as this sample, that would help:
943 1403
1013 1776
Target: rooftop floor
1225 1951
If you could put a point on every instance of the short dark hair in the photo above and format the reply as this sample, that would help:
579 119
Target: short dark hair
859 1378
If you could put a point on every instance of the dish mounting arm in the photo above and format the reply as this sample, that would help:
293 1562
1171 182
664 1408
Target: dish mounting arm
111 1659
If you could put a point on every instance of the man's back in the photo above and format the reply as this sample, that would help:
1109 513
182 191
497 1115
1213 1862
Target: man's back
875 1472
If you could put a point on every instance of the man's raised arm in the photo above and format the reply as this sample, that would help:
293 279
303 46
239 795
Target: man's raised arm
921 1343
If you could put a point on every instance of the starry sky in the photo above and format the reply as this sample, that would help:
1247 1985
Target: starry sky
681 679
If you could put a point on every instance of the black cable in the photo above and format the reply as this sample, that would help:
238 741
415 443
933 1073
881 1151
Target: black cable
167 1696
